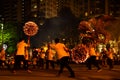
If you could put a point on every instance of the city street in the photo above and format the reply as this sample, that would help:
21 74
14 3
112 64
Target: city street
80 70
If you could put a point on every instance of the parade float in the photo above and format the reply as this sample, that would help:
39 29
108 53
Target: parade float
92 30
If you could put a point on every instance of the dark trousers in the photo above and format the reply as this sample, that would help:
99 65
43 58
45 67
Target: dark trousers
1 63
92 61
18 60
26 65
40 63
64 62
110 63
51 62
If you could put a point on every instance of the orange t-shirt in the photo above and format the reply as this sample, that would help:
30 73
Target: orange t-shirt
21 48
60 49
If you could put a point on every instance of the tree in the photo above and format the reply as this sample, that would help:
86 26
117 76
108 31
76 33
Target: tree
10 36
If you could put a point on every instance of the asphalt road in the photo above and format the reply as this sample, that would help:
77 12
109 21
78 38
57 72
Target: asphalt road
81 73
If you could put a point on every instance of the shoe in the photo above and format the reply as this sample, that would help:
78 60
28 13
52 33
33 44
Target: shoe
29 71
99 70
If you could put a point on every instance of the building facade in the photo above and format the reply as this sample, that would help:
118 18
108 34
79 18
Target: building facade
23 10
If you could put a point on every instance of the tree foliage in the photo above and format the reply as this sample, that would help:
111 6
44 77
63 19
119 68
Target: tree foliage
10 36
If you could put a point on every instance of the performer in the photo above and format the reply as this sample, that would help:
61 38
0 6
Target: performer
20 55
63 57
26 65
34 57
110 60
104 57
49 57
41 58
92 58
2 58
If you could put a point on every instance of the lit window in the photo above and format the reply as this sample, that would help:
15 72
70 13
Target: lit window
41 0
35 6
86 14
35 15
